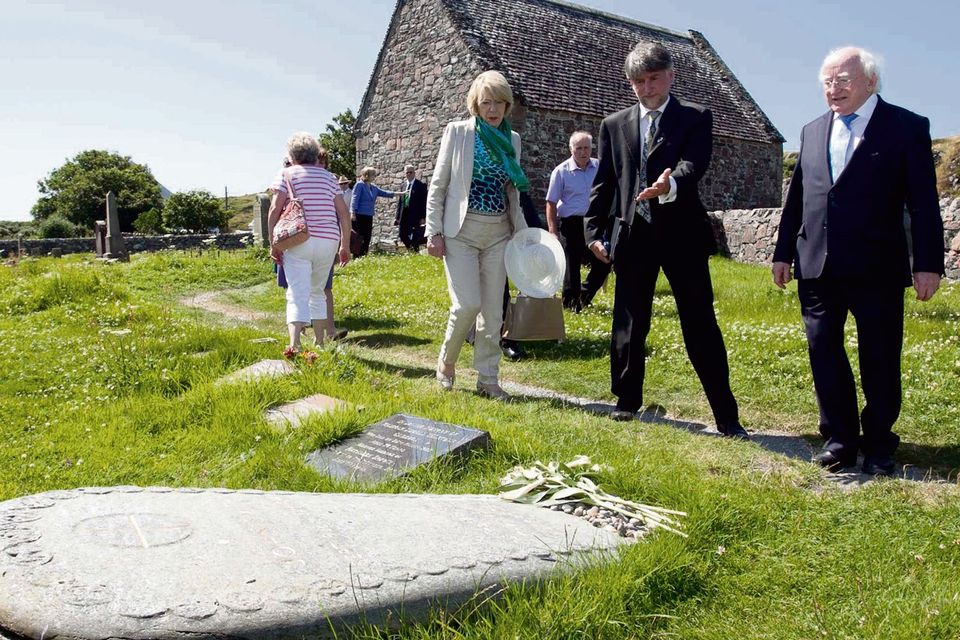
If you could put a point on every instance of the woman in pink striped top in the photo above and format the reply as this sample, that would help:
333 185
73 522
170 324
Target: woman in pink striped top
307 265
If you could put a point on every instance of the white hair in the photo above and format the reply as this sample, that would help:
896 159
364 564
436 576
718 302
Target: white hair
580 135
869 62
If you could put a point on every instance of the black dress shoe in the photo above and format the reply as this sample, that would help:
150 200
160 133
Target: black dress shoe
622 415
879 465
833 461
735 431
511 350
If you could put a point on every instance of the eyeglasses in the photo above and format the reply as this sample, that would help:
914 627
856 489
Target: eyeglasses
841 82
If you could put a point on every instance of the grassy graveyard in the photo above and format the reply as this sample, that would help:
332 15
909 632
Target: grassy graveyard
109 380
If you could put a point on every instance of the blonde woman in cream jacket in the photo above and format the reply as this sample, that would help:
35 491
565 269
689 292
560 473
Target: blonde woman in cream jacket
473 208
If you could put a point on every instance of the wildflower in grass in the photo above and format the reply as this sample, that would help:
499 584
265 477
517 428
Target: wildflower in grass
310 357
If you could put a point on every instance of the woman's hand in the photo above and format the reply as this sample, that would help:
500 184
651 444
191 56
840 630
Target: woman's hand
275 254
436 246
343 255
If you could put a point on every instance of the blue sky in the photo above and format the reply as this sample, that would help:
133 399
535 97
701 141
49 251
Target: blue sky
206 92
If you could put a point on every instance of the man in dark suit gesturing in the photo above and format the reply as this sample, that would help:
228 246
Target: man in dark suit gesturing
652 156
842 228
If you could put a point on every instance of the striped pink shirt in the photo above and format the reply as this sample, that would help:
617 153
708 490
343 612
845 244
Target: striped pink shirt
317 188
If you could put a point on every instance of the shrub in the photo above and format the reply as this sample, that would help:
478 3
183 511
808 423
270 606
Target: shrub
57 227
196 211
150 221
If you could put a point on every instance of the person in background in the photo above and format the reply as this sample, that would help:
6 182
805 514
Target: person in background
346 190
473 208
861 164
568 197
330 328
363 205
411 209
307 265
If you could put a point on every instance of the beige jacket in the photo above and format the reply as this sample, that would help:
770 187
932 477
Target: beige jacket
450 184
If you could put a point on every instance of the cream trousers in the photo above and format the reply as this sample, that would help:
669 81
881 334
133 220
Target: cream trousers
476 276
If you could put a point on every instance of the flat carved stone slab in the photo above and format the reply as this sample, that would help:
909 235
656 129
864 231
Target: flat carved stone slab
393 446
127 562
262 369
293 412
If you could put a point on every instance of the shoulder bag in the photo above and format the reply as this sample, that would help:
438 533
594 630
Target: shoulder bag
291 229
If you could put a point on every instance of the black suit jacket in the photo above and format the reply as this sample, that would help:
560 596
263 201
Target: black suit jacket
684 143
856 225
417 209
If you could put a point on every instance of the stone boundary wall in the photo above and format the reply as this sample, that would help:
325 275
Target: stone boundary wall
135 243
749 235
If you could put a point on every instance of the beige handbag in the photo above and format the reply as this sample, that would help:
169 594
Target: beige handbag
534 319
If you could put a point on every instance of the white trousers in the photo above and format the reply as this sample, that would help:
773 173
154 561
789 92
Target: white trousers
307 267
476 276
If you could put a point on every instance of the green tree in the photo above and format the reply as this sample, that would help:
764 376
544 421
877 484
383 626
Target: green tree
197 211
150 221
78 189
341 144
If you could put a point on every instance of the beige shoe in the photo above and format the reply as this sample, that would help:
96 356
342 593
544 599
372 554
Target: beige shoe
493 391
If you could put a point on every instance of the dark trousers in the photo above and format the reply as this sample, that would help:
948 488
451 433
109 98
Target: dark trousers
364 226
637 269
878 312
576 252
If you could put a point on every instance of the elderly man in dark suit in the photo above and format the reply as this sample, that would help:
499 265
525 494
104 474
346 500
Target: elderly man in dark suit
411 209
652 156
842 228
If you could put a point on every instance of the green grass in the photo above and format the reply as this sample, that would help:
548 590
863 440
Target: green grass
108 381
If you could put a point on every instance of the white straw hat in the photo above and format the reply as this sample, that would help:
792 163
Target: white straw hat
535 262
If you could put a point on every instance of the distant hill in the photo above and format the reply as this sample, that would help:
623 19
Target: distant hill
241 211
946 156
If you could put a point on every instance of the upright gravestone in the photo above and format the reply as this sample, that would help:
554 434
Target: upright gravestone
393 446
115 246
100 237
261 207
168 564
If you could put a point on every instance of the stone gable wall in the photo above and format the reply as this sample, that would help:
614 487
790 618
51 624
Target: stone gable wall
421 85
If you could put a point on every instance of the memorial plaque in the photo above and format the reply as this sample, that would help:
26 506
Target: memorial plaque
393 446
165 564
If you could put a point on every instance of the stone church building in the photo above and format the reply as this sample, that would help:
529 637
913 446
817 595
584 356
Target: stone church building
565 65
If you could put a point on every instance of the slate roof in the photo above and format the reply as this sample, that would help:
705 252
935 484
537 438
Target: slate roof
567 57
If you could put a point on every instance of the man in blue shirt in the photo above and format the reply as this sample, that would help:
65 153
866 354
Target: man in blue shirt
568 198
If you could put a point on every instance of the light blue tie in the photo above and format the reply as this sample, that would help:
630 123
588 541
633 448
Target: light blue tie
838 154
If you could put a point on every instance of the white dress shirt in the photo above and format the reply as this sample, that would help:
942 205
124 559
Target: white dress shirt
844 141
671 195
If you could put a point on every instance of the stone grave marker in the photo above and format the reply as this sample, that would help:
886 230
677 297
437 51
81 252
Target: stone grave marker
261 207
393 446
293 413
100 237
161 563
114 246
262 369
